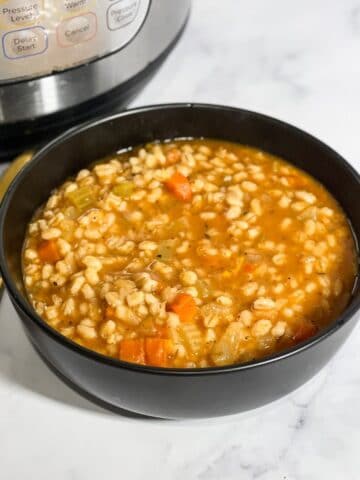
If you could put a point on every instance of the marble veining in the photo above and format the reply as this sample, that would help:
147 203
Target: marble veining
298 61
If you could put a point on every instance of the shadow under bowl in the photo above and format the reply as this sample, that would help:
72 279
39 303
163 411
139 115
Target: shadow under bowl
173 393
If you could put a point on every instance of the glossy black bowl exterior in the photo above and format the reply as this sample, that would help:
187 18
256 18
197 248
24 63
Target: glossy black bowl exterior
154 391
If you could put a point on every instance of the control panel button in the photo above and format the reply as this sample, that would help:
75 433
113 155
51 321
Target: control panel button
73 6
20 12
122 13
25 43
77 30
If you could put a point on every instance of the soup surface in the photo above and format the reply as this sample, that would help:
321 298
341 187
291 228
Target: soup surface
189 254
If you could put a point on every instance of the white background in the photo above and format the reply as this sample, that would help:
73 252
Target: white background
298 61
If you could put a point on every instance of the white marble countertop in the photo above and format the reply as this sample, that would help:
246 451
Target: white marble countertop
294 60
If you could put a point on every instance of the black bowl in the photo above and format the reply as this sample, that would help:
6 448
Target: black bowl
172 393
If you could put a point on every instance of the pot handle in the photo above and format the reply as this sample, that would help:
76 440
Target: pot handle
7 177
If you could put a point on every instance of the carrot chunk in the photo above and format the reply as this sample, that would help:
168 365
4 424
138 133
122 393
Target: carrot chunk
179 186
249 267
184 306
304 332
48 251
132 350
157 351
162 332
109 312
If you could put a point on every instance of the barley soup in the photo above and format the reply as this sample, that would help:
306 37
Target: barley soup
189 254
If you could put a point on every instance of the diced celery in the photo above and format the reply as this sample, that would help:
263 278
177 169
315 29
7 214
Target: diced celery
166 250
214 314
83 198
192 337
124 189
203 289
179 225
226 350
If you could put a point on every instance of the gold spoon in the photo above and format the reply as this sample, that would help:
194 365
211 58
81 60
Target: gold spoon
7 177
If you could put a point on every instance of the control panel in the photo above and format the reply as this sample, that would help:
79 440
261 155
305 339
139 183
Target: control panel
39 37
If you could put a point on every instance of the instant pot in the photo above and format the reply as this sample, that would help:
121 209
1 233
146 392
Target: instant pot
64 61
